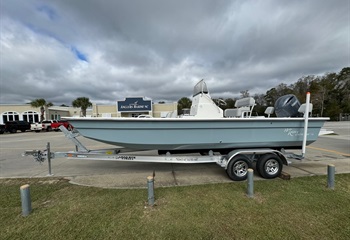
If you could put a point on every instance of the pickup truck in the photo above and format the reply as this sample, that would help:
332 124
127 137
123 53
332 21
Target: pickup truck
14 126
2 128
55 125
37 127
47 124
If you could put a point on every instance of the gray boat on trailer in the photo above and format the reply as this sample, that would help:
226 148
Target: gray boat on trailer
206 128
240 138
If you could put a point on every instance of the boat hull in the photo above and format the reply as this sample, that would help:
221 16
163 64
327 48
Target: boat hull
207 134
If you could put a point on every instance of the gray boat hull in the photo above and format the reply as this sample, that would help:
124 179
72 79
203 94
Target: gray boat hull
193 133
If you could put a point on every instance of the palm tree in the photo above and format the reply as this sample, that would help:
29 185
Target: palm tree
183 103
83 103
43 105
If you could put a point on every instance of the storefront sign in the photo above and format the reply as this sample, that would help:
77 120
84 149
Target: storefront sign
135 105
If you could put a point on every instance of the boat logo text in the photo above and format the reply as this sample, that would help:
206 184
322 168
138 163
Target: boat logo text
293 133
124 157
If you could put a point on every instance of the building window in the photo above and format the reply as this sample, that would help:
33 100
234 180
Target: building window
135 115
55 116
31 116
10 116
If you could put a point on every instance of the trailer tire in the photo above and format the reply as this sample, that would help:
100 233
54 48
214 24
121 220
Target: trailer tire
237 169
269 166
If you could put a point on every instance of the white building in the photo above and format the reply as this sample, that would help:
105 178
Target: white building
129 107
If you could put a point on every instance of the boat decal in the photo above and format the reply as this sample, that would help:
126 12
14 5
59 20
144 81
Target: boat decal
125 157
294 133
186 159
71 155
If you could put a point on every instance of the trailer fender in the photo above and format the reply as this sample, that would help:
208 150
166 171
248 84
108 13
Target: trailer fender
282 157
252 154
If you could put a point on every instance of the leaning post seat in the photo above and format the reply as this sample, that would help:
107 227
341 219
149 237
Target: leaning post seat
269 111
244 108
302 108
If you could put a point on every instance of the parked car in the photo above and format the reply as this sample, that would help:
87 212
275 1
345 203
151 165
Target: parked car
2 128
14 126
37 127
47 124
55 125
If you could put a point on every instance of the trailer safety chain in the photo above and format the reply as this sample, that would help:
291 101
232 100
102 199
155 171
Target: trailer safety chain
40 156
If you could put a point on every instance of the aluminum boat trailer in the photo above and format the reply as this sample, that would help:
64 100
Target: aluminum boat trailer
268 162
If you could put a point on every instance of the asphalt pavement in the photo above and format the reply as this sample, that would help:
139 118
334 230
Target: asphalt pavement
328 149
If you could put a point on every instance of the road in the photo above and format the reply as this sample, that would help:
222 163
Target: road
338 143
328 149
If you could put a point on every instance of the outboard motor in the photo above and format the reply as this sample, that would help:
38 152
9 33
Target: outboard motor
287 106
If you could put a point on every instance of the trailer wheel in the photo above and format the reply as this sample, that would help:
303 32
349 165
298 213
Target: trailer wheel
269 166
237 169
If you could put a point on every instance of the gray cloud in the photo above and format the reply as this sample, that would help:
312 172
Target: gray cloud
61 50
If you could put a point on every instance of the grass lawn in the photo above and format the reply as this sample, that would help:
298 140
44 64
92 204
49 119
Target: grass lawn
301 208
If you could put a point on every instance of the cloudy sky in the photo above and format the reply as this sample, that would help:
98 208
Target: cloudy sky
108 50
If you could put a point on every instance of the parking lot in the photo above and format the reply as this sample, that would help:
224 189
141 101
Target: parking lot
328 149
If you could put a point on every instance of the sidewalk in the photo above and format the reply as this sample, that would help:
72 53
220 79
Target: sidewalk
179 176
